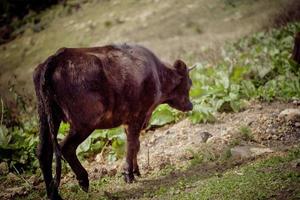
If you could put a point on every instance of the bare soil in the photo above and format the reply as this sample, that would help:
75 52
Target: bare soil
172 149
175 144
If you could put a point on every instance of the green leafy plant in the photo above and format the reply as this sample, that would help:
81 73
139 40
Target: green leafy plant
110 142
18 146
162 115
255 67
246 133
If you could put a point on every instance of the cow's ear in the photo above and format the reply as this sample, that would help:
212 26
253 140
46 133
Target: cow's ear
181 67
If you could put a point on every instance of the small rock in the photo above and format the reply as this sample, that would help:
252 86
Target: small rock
152 141
225 132
104 171
249 123
163 162
275 137
259 107
4 168
296 102
182 137
169 132
17 191
297 124
248 151
216 140
203 136
290 114
240 152
187 156
112 172
256 151
296 163
99 158
96 170
239 173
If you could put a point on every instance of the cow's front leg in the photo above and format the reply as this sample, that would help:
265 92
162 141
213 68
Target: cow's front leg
136 170
133 146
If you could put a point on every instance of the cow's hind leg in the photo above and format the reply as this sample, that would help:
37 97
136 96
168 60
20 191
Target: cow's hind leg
136 170
45 154
133 146
68 147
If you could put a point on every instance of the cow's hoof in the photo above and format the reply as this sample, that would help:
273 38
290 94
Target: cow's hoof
128 177
52 192
137 172
84 185
55 196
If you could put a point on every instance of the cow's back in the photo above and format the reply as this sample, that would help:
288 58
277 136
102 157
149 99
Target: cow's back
95 85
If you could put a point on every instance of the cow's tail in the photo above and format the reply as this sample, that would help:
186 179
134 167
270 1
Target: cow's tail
45 90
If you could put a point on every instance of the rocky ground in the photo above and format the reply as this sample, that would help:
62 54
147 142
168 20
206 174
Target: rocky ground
262 128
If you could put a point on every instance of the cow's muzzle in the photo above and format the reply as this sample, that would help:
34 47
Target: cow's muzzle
188 107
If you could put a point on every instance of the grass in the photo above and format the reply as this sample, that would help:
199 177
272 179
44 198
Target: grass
246 133
275 176
255 180
268 178
272 177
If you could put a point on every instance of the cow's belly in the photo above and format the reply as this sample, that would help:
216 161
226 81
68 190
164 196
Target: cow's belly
88 111
82 110
108 120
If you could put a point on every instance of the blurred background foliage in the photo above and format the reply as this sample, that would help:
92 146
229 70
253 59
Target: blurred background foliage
18 15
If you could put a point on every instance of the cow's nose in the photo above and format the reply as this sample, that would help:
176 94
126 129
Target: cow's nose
189 106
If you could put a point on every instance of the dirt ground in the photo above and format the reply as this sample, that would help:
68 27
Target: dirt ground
176 146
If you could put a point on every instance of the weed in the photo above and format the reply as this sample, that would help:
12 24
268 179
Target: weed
246 133
197 158
235 142
226 154
205 154
108 24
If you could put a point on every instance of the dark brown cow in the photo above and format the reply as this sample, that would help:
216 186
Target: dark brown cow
102 88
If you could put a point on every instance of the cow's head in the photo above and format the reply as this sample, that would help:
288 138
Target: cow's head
179 98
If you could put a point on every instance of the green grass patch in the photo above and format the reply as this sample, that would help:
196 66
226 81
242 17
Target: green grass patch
268 178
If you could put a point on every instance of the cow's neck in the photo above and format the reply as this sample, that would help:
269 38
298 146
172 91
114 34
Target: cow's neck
169 79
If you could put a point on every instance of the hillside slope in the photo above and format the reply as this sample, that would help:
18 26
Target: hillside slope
191 30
